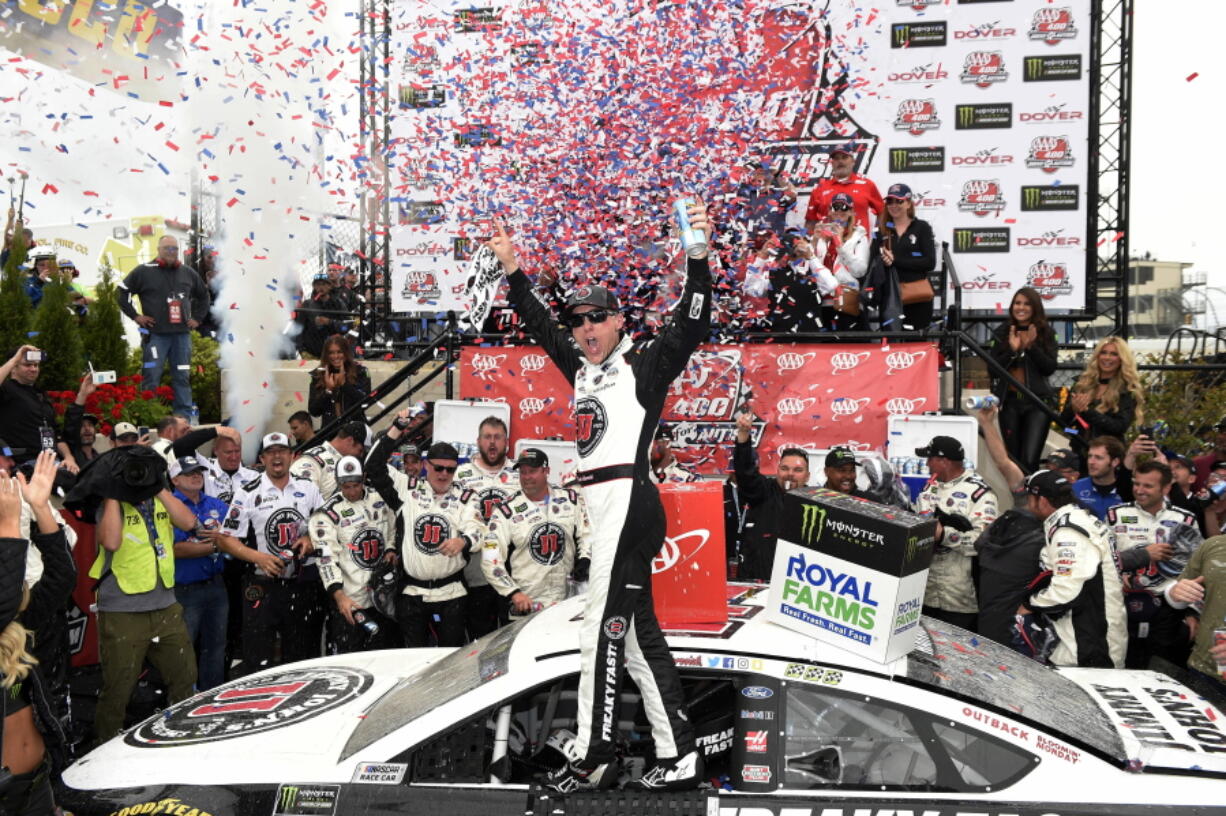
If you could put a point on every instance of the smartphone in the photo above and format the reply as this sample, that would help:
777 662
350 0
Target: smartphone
104 377
34 356
143 431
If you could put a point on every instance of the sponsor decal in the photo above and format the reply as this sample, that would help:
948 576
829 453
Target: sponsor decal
422 249
812 523
282 529
757 692
478 135
916 116
983 69
429 531
473 19
419 97
547 544
609 705
529 406
1054 68
487 365
847 360
981 197
756 742
794 406
1049 153
985 157
756 773
793 360
993 115
918 5
832 600
1038 197
1049 279
1051 25
388 773
709 389
615 627
985 31
367 548
252 706
918 35
922 74
902 360
711 744
591 422
670 554
1051 113
1164 716
419 283
902 406
981 239
794 670
306 800
917 159
843 407
924 202
422 212
533 362
1052 239
764 715
169 806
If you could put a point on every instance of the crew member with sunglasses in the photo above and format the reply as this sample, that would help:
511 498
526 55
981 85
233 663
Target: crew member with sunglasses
620 387
440 529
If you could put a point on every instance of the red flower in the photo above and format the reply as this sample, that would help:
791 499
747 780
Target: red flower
146 395
165 392
116 412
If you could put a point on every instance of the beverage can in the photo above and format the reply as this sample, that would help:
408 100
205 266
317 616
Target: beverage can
693 241
981 402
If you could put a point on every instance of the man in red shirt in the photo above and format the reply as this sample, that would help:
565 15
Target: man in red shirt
1204 462
844 179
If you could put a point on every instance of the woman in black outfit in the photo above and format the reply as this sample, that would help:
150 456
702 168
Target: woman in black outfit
33 741
1025 345
339 383
907 245
1107 398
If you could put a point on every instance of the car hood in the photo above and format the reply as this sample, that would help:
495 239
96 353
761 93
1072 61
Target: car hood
302 716
1164 725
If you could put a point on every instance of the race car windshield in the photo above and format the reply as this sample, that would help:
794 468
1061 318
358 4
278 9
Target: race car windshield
975 667
458 673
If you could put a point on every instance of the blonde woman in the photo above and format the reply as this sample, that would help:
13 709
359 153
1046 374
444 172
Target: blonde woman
1107 398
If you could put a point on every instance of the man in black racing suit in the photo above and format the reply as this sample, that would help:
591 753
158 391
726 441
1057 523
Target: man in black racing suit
620 386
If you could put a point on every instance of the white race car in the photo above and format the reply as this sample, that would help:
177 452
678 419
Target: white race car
789 727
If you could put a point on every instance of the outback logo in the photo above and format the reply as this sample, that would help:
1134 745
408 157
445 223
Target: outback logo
1039 198
900 406
1049 153
615 627
670 554
1049 69
917 35
981 239
990 116
900 360
251 706
793 406
1052 239
984 68
980 158
923 74
847 360
985 31
1049 279
847 406
1051 25
793 360
533 362
484 365
757 692
981 197
916 116
812 523
917 159
528 406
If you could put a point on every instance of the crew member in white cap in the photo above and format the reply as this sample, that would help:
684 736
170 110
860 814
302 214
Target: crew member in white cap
270 513
352 533
318 465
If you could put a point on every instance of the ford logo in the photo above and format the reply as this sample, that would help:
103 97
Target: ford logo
757 692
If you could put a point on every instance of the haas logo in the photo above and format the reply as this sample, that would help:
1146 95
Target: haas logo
531 405
847 360
1049 153
900 406
533 362
1051 25
981 196
793 360
917 115
670 554
484 365
899 360
847 407
982 68
791 406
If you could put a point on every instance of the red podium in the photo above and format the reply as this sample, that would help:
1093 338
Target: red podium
689 574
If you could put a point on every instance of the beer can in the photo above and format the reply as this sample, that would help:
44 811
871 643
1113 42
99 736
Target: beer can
693 241
979 403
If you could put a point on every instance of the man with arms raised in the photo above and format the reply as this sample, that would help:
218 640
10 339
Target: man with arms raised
765 499
491 478
620 386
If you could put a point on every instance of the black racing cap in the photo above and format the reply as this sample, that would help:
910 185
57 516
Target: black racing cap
945 446
597 296
1063 458
837 457
442 450
1048 484
531 457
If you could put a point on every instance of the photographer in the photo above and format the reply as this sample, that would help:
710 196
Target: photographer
80 428
798 282
25 412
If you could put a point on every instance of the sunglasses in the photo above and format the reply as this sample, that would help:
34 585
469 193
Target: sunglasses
443 468
574 321
840 208
896 201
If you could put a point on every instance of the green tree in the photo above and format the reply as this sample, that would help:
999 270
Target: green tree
58 334
15 308
103 335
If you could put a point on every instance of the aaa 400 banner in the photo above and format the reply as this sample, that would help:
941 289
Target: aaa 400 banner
813 396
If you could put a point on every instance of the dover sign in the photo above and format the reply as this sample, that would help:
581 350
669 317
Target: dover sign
850 572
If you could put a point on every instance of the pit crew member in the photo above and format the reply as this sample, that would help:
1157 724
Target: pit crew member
318 465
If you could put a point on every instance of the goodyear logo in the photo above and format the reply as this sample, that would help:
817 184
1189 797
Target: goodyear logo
1046 69
983 239
163 806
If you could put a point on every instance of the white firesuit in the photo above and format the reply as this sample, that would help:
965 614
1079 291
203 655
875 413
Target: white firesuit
351 539
532 546
969 501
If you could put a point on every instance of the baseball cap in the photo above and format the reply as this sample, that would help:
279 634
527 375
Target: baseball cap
274 440
124 429
348 469
597 296
186 464
532 457
1063 458
442 450
1047 483
842 200
837 457
945 446
90 418
664 431
410 450
1186 461
899 191
847 149
321 276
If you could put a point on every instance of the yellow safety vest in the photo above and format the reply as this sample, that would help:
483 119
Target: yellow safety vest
136 563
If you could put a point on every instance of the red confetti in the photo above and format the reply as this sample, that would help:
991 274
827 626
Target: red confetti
1193 75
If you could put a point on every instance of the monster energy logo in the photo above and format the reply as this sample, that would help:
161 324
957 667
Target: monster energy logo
902 33
966 116
1041 68
915 545
1054 197
907 35
288 798
898 160
1034 68
981 240
907 159
1031 198
964 239
812 521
